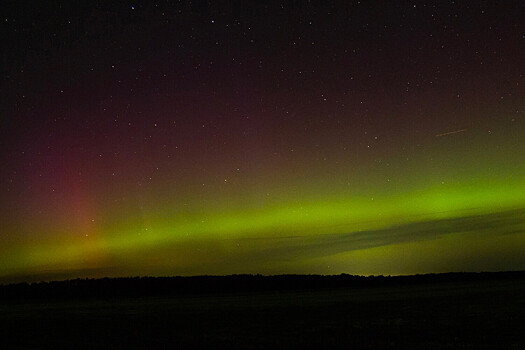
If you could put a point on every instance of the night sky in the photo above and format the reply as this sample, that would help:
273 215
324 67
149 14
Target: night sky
167 138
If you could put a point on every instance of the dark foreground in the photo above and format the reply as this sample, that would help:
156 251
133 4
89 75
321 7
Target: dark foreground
436 313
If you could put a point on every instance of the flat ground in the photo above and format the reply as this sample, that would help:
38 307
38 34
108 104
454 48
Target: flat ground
473 315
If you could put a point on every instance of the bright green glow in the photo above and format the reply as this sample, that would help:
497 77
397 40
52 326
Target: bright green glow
225 226
276 225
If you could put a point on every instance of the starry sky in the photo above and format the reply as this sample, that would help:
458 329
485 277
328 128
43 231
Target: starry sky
189 138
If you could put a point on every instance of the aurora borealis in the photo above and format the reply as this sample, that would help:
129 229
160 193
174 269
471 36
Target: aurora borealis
167 138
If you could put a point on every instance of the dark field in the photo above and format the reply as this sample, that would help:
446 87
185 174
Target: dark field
469 314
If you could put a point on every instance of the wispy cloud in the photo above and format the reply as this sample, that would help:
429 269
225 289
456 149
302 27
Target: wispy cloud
501 223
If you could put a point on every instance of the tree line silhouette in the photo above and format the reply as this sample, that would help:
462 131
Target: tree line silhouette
244 283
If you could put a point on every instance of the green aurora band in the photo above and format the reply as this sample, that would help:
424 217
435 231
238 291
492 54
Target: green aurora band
211 238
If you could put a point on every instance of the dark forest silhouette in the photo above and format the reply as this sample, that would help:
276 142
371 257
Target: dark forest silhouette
178 285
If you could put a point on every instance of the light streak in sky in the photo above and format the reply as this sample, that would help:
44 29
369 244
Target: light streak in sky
451 132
